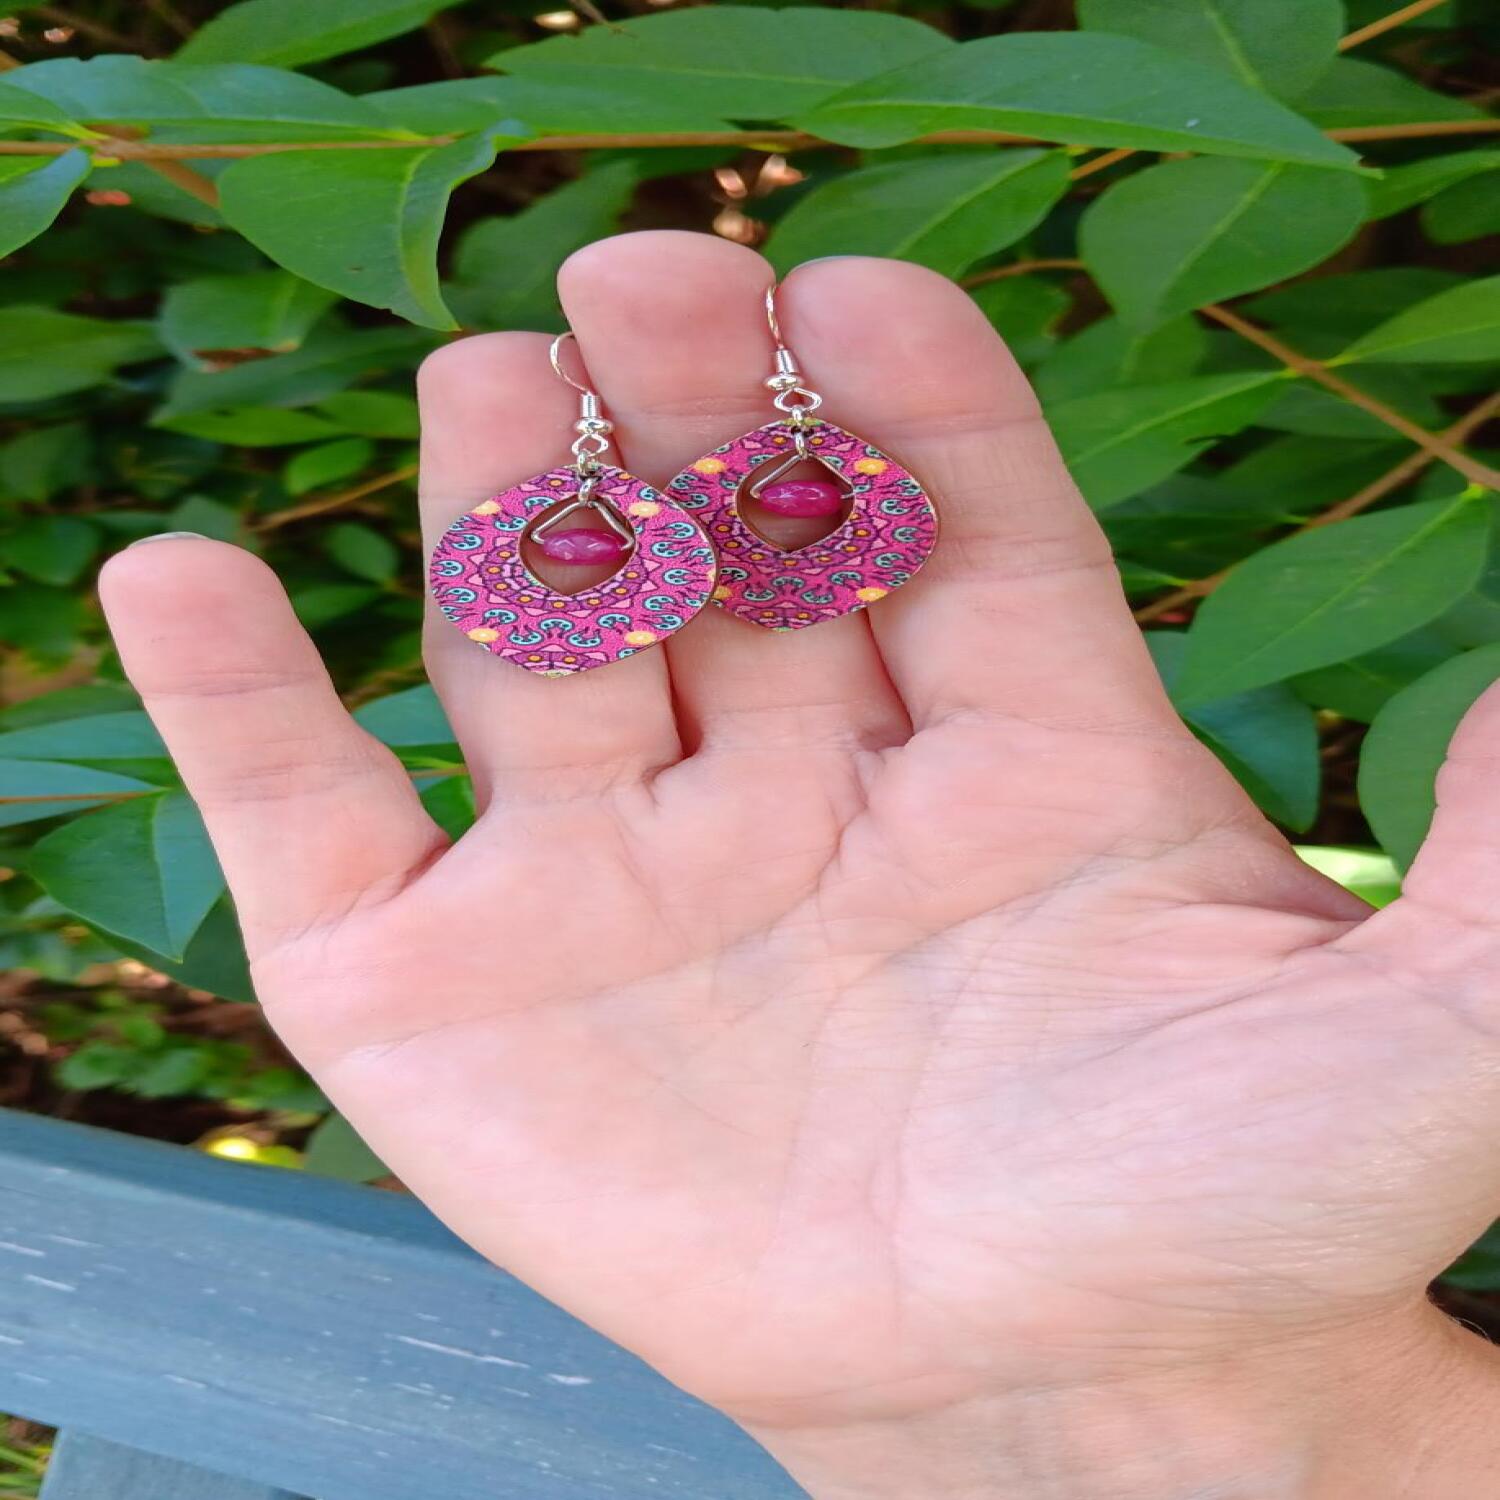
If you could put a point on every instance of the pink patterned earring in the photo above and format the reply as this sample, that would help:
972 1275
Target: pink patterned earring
666 564
889 526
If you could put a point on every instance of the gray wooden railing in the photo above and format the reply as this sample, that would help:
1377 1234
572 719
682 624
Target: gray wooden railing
202 1330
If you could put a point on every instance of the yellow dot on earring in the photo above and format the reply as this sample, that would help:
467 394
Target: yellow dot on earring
869 596
639 637
489 508
483 634
710 466
870 466
644 508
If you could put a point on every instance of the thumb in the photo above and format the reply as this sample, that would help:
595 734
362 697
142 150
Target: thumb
1456 875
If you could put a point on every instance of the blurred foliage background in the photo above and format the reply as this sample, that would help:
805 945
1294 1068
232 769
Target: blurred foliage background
1238 245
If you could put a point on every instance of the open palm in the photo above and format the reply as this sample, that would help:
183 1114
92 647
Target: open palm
856 1022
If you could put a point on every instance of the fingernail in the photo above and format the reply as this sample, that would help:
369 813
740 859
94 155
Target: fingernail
818 260
170 536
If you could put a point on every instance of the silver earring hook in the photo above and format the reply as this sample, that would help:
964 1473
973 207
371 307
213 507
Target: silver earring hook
775 327
795 399
593 427
555 355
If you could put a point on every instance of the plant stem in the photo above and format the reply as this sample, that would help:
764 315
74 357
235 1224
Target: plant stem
337 501
1099 163
1418 130
1407 470
1387 23
763 140
1019 268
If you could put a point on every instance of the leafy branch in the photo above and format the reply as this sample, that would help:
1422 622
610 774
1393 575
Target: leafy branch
779 141
1393 479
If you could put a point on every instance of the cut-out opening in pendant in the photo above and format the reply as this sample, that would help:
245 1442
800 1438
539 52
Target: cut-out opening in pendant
577 544
794 501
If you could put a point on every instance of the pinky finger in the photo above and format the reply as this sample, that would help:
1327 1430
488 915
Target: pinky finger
308 813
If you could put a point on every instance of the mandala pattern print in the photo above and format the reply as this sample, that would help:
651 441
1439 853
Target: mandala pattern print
484 587
888 534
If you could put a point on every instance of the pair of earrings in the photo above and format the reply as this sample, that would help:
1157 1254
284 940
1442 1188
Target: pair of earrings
680 548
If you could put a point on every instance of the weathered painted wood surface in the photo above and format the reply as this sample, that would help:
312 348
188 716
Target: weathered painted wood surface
88 1468
329 1340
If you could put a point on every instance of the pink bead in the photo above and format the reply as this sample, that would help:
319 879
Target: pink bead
583 546
802 497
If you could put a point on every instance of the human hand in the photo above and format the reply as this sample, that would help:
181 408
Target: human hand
902 1033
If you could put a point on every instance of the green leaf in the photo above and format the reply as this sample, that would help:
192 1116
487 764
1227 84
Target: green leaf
39 463
372 414
267 310
1087 88
939 211
1343 307
46 623
219 101
33 191
1460 324
1335 592
208 517
127 735
1404 187
255 427
505 270
1406 746
328 463
325 602
334 1150
1279 46
449 801
362 551
1118 442
545 105
409 720
1370 876
1468 210
292 33
1307 408
215 959
1185 233
1359 688
1107 354
143 870
72 785
1266 738
50 549
330 360
1291 478
45 353
375 218
741 61
178 1069
1024 311
21 107
1354 92
99 1065
68 703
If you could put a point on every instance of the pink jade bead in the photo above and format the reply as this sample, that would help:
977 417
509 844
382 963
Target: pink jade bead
802 497
583 546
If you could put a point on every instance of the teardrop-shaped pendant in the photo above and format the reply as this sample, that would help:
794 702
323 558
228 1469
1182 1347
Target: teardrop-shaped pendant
482 583
889 532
